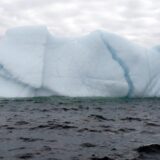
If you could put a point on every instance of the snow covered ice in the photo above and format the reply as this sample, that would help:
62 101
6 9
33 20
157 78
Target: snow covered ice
33 62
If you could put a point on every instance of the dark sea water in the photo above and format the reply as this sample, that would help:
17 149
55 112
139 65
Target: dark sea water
60 128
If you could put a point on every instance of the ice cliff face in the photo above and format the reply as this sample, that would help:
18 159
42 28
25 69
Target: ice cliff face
35 63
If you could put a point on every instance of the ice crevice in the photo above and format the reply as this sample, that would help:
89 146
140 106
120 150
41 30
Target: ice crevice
4 73
122 64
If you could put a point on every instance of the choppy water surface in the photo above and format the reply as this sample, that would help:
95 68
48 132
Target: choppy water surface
59 128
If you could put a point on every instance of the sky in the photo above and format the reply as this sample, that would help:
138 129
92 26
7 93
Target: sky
137 20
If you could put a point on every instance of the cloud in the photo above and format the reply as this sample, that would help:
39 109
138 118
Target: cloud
135 19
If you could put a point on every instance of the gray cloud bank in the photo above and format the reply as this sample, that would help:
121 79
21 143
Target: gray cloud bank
138 20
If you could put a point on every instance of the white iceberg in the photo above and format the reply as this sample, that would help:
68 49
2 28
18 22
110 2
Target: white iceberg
33 62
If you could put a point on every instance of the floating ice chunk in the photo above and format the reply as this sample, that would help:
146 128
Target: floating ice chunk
33 62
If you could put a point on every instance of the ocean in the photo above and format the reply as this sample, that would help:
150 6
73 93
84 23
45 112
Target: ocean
61 128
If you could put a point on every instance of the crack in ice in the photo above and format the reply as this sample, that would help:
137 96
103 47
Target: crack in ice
123 66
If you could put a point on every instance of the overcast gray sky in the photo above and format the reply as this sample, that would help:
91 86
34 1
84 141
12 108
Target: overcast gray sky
138 20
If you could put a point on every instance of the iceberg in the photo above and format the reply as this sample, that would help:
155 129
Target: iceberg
33 62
